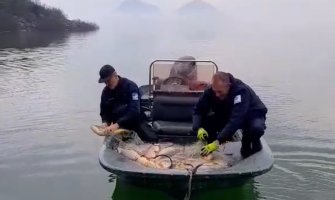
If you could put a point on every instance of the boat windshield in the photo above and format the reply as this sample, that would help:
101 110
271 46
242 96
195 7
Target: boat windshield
181 75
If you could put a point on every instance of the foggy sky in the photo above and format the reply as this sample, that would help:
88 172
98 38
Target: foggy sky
282 11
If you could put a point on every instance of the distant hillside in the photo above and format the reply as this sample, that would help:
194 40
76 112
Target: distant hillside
138 7
197 7
26 15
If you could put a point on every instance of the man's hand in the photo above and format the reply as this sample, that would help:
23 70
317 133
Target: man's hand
210 148
202 134
112 128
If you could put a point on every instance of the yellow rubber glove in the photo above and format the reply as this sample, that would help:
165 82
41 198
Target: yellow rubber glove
202 134
210 148
121 131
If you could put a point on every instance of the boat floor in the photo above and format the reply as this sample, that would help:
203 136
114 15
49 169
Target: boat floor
255 165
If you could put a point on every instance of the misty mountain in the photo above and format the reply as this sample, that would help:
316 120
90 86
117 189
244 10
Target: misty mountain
138 7
197 7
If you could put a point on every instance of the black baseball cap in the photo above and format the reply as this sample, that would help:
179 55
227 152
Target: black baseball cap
105 72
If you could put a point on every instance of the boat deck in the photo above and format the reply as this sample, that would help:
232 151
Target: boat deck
254 165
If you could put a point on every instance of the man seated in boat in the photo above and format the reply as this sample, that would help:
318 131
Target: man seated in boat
120 104
229 105
184 72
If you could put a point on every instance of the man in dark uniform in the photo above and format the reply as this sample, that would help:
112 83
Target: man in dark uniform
229 105
120 103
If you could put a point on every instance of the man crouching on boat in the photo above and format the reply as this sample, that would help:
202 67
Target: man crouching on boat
229 105
120 104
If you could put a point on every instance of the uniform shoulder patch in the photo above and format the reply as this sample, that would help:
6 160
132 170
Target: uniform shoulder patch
134 96
237 99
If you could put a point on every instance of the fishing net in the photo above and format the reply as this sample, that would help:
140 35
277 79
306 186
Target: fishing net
165 155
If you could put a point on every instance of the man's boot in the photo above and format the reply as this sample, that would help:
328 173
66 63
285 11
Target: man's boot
256 145
246 147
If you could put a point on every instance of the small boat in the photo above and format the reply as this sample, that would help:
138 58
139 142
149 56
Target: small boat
167 103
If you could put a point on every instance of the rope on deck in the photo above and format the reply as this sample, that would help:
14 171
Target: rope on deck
191 172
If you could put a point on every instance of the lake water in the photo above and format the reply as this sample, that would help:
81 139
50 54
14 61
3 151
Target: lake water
49 96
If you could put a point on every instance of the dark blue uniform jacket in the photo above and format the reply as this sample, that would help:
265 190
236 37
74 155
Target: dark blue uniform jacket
122 104
240 104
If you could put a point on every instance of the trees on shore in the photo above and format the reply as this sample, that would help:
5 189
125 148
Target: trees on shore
26 15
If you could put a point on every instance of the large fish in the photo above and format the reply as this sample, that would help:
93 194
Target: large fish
131 154
101 130
146 162
169 151
152 152
140 149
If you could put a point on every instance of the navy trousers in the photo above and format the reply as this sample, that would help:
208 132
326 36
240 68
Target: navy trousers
253 127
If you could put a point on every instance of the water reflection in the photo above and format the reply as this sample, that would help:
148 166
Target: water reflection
126 191
49 96
22 40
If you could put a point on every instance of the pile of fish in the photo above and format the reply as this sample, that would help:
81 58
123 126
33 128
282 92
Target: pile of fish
172 156
165 155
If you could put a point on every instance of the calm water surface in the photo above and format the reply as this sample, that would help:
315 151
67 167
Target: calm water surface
49 96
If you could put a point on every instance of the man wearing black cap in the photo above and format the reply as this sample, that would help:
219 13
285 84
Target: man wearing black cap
120 103
229 105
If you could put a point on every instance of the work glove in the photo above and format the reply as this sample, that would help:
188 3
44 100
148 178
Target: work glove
210 148
202 134
121 131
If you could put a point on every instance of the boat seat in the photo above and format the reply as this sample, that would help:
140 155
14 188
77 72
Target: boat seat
172 115
172 128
